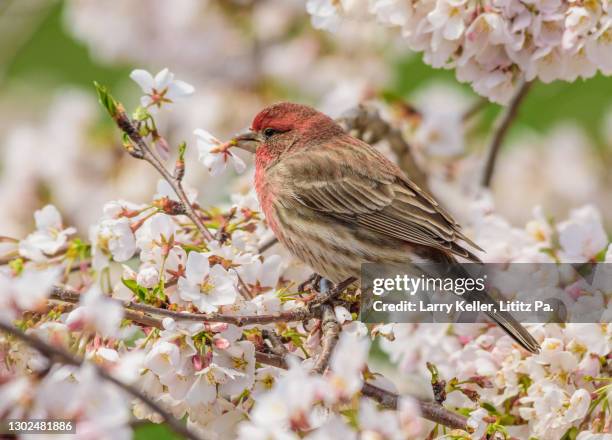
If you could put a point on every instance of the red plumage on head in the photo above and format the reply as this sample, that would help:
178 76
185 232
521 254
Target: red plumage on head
286 116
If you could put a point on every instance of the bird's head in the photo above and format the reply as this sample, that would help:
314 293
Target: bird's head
285 126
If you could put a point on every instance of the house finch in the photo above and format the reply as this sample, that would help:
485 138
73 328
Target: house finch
336 202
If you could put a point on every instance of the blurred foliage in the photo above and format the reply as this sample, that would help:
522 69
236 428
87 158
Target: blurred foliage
152 431
51 57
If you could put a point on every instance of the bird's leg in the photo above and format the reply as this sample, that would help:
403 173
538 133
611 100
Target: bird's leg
312 280
328 291
324 286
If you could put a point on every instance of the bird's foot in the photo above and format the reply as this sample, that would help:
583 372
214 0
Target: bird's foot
312 282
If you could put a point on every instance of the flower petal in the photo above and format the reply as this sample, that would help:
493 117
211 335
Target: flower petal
163 79
179 89
144 79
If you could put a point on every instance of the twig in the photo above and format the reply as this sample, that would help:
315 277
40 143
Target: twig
474 109
55 354
132 315
243 287
429 410
141 150
330 330
297 314
271 359
367 124
143 319
501 128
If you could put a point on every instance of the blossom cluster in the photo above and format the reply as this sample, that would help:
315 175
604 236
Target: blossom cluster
216 372
492 44
544 394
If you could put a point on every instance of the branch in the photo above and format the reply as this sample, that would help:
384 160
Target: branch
141 150
475 108
370 127
58 355
297 314
331 330
501 128
271 359
429 410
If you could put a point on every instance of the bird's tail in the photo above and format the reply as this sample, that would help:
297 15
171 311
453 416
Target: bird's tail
504 319
515 330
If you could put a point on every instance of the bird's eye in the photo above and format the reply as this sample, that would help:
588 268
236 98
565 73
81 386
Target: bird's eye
269 132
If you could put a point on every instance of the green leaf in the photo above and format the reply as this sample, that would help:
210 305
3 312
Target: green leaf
16 265
107 101
141 114
181 151
570 434
152 431
490 408
139 291
159 291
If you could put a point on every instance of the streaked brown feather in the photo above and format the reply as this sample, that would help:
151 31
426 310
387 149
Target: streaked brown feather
373 194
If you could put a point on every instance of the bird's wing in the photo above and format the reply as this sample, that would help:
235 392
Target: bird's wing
353 182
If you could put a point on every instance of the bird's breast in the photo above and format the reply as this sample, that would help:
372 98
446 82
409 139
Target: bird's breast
267 194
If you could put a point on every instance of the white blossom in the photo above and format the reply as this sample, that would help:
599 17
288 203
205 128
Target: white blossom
50 236
495 45
214 156
582 236
206 287
97 312
161 89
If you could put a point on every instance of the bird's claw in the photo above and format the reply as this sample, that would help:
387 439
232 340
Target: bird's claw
312 281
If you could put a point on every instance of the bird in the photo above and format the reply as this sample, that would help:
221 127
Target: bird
335 202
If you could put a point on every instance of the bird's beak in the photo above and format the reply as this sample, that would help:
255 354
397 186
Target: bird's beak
248 141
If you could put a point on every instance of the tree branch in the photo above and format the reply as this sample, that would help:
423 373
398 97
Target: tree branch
297 314
475 108
429 410
58 355
271 359
499 132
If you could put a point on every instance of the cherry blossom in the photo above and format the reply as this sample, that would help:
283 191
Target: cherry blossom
495 45
214 155
161 88
114 237
206 287
49 237
26 291
97 313
582 236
